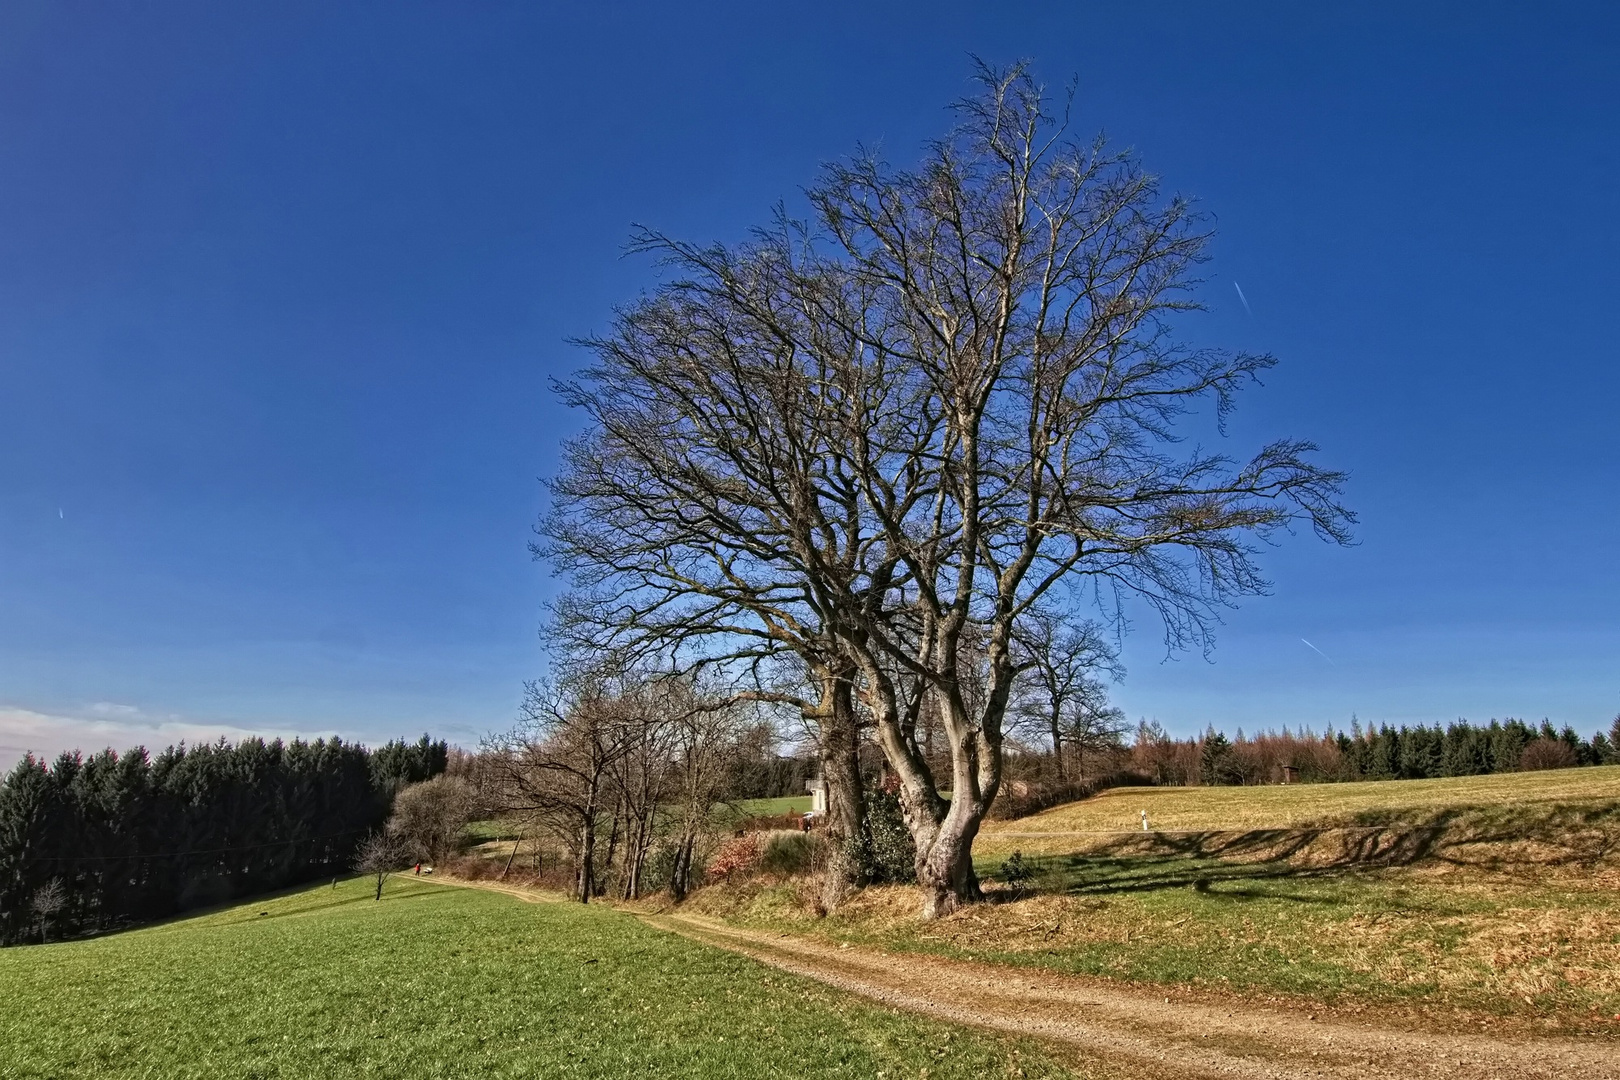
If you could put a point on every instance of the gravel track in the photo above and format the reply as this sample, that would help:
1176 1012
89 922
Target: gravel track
1139 1033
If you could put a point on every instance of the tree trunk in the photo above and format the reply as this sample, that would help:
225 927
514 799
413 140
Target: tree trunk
841 775
586 880
632 859
638 852
613 844
515 845
1057 745
680 880
943 830
945 868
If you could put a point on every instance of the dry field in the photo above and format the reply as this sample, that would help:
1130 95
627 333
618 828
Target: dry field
1300 805
1490 900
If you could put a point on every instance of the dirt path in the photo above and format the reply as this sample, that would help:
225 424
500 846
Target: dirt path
1135 1032
1148 1035
527 895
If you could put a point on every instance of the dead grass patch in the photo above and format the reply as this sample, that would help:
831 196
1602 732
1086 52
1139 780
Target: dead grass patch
1299 805
1444 943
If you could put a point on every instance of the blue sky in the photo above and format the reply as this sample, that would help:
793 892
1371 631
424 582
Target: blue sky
282 286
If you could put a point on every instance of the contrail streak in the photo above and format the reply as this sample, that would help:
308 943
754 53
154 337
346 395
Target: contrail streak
1319 652
1250 310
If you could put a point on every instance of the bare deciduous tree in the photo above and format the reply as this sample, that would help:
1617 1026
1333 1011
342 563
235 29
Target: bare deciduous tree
49 899
432 816
703 737
880 443
555 766
640 779
691 567
1062 695
380 855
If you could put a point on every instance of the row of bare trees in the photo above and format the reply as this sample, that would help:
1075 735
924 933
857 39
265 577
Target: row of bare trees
610 763
872 464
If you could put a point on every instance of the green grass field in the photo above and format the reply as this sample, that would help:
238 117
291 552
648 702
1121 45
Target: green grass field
438 981
788 804
482 832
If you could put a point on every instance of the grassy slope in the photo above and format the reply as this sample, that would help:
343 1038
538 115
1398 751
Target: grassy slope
787 804
444 982
1455 932
1280 807
497 829
482 832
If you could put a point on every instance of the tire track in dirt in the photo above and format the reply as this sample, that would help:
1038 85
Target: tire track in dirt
527 895
1147 1034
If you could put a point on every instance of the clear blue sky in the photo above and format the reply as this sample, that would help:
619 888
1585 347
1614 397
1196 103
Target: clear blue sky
282 286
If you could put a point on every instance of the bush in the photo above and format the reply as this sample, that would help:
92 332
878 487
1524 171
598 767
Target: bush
1023 798
884 850
659 868
1545 753
788 853
739 854
470 867
1017 872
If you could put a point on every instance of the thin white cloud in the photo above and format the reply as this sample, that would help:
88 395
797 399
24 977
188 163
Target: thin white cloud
107 724
112 708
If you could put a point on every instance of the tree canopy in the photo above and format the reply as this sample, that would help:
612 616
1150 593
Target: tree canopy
879 439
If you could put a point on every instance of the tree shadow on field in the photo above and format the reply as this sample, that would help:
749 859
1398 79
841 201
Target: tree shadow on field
1250 864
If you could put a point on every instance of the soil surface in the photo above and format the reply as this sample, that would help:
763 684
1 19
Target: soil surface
1140 1033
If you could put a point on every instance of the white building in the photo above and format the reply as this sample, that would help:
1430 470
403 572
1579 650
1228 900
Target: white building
818 796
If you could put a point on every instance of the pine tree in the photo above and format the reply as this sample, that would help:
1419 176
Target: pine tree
130 837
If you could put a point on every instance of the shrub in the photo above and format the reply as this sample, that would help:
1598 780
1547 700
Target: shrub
740 853
787 853
884 850
1017 872
1546 753
659 868
471 867
1023 798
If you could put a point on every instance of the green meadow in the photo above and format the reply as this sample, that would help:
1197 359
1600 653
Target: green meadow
439 981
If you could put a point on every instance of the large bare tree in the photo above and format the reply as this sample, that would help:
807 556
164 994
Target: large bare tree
883 439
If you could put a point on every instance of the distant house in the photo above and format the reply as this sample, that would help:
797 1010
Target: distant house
818 796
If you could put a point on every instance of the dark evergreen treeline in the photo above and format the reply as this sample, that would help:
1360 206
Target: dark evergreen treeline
1465 750
768 776
92 844
1403 753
